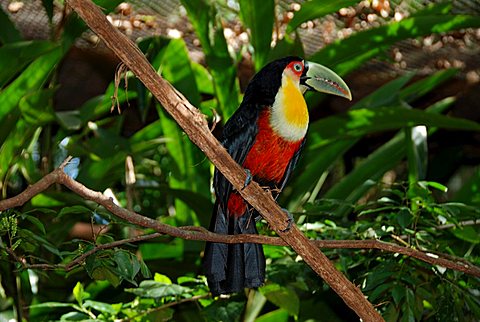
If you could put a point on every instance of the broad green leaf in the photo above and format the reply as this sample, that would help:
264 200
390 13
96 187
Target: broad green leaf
162 278
224 311
357 123
153 289
408 307
467 233
279 315
203 79
102 104
70 120
36 107
208 28
316 9
79 293
188 170
372 42
36 222
100 306
10 148
8 32
15 56
128 265
254 305
32 78
426 85
283 297
100 269
377 163
74 210
257 16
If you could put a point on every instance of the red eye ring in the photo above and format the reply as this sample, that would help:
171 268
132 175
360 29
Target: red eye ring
298 67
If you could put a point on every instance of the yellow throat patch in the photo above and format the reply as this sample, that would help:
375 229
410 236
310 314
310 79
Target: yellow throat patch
289 116
294 105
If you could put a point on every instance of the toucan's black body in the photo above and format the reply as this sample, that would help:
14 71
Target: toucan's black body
232 267
265 135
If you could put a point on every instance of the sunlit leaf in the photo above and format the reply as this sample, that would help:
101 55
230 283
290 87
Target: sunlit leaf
257 16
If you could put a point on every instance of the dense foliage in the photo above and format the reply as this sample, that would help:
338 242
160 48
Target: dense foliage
390 194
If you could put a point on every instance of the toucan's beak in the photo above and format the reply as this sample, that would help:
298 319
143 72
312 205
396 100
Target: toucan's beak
321 79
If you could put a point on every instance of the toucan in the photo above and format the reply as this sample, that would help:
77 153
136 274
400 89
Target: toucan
265 135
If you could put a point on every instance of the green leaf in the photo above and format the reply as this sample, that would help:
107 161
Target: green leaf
36 222
79 293
31 79
282 297
279 315
257 16
100 306
127 265
74 210
408 307
105 273
69 120
208 28
316 9
29 235
404 217
153 289
426 85
467 233
8 32
15 56
224 311
357 123
162 278
372 42
36 107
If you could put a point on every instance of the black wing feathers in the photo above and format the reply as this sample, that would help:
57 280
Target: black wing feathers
238 137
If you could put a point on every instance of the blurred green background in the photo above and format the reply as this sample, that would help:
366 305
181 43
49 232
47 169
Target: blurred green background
400 163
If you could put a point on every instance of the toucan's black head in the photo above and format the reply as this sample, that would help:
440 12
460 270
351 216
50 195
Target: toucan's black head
264 86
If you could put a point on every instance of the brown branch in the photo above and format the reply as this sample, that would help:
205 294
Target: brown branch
202 234
196 127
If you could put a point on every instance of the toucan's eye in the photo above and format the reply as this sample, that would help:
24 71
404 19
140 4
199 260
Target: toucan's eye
298 67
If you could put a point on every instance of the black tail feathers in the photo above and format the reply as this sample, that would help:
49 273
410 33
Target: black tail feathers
232 267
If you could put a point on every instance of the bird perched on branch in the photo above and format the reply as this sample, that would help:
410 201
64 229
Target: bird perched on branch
265 135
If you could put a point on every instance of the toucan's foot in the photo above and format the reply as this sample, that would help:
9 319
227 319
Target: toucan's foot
248 179
289 221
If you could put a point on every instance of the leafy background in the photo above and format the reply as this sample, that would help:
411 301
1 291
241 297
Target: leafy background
384 168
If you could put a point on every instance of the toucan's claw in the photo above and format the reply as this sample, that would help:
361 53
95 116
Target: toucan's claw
248 179
289 221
